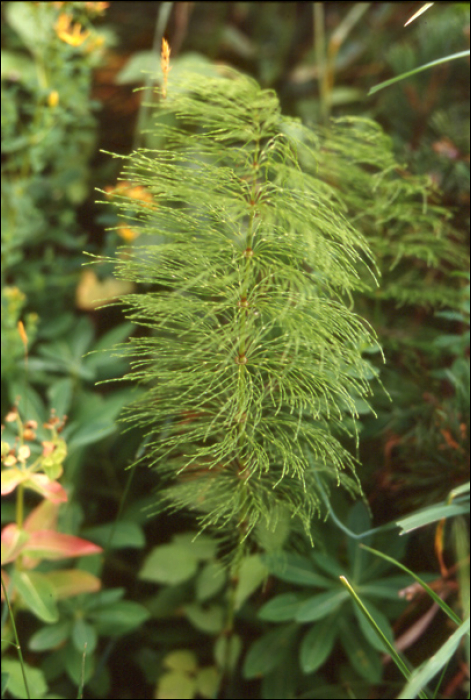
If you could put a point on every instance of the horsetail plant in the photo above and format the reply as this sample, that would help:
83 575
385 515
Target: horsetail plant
252 363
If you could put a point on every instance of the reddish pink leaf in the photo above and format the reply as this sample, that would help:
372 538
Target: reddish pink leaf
43 517
47 544
13 542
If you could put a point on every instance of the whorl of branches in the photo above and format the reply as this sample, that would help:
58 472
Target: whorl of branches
252 357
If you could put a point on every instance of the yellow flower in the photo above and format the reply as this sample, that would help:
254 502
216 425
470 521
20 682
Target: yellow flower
126 189
22 333
165 65
127 234
70 34
53 98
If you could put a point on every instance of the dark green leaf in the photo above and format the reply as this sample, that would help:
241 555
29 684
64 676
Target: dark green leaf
282 608
317 644
120 618
268 651
294 569
321 605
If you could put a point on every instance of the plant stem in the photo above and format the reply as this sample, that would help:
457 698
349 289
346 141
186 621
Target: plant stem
18 646
319 35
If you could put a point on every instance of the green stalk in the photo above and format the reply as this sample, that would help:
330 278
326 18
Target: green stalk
15 633
244 304
400 663
321 60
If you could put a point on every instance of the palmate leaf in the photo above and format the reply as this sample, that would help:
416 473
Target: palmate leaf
252 355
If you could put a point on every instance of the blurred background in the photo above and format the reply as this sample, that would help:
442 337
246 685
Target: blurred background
70 99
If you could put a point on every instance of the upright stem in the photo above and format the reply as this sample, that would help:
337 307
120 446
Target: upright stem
243 300
321 61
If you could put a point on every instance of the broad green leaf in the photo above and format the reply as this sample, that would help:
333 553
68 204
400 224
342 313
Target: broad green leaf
34 676
252 573
57 356
272 539
106 597
209 619
50 636
90 433
210 580
200 547
5 679
37 593
364 659
207 680
120 618
169 563
294 569
387 588
168 600
181 660
267 651
317 645
281 683
84 636
69 582
321 605
79 665
81 337
30 404
60 394
282 607
95 418
380 619
33 27
16 66
124 534
175 686
327 564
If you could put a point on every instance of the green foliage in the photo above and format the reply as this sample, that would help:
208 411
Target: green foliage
189 611
35 581
335 618
187 626
428 114
421 676
429 421
47 138
254 357
13 350
409 233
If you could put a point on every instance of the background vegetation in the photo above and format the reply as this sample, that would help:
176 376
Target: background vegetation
116 604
